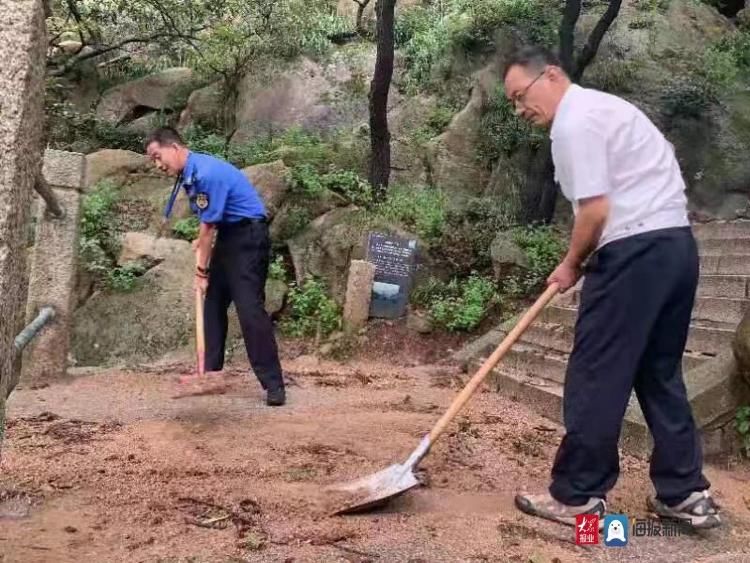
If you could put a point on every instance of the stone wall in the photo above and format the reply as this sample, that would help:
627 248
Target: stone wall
22 67
54 267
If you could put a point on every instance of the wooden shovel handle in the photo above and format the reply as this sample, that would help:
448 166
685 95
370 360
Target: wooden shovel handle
492 361
200 338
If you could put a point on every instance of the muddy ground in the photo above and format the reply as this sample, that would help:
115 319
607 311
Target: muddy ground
108 467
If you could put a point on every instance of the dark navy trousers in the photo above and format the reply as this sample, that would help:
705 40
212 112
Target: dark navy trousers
238 272
633 319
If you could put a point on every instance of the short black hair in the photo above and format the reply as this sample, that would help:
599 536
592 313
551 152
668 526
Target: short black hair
532 57
164 136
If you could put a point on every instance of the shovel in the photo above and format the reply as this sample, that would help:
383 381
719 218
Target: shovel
378 488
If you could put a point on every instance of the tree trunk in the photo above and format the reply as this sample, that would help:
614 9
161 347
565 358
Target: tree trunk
380 137
361 5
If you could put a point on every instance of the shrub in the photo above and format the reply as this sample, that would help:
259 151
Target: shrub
125 278
544 249
186 229
502 131
687 97
459 305
277 269
420 209
428 35
310 310
98 244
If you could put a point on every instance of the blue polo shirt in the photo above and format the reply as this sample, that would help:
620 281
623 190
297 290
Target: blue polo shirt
218 191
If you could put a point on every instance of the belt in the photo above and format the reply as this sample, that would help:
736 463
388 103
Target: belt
242 222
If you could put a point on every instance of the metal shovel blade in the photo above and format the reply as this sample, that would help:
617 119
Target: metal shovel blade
379 488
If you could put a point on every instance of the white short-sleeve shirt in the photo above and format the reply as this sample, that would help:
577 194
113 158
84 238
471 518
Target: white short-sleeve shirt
604 145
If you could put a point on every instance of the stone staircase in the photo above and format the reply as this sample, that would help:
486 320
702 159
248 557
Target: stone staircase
533 371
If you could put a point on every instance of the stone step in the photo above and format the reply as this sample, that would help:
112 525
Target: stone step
528 360
726 264
706 338
720 285
715 309
719 309
723 286
717 246
722 230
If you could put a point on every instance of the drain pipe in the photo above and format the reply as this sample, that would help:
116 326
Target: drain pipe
45 315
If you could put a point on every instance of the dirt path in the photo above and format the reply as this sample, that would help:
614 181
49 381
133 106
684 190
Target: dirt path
116 470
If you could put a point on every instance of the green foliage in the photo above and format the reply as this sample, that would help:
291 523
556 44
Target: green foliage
186 229
294 221
277 269
653 5
428 34
420 209
688 96
437 121
71 130
742 424
544 248
616 76
502 132
728 60
311 310
459 305
98 244
98 240
125 278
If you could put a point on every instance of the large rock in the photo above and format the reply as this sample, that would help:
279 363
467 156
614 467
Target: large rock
326 247
507 256
272 181
160 91
306 94
157 317
204 107
113 163
452 157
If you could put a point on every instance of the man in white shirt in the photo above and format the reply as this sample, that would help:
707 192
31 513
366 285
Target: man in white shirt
631 228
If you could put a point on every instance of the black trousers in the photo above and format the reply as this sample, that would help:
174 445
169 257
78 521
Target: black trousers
238 272
636 303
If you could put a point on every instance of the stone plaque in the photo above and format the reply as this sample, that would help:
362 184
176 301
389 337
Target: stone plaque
393 258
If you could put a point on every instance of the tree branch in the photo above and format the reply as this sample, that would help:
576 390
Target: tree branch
45 192
103 50
595 38
567 34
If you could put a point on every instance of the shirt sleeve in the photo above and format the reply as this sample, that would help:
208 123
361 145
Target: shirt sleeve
210 198
581 162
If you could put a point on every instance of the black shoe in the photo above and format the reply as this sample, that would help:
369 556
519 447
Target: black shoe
276 398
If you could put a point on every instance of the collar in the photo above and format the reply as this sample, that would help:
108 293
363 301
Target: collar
189 170
564 107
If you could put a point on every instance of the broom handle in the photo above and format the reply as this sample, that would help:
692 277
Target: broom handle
200 337
492 361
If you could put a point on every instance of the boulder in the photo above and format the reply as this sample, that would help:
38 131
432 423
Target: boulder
276 291
113 163
419 323
203 107
324 249
293 98
452 156
507 256
159 91
157 317
272 181
136 246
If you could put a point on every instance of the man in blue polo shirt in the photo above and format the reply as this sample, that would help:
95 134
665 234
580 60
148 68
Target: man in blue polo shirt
236 267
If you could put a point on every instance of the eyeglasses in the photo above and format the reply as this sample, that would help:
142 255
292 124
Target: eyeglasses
518 98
